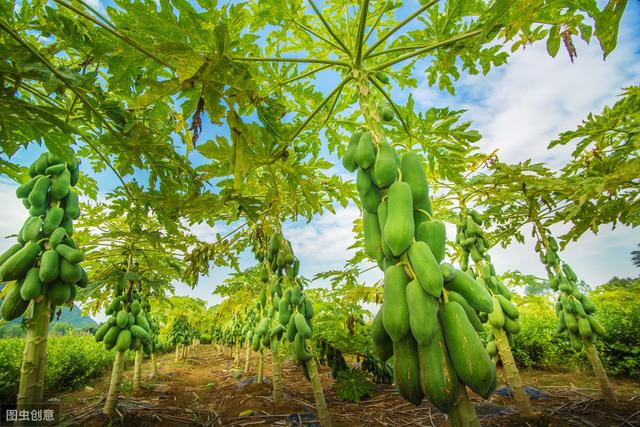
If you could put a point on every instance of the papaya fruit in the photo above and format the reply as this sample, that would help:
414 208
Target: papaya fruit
124 340
139 332
58 292
72 255
300 349
385 168
60 185
596 326
74 171
468 355
512 325
54 159
502 289
413 174
38 194
32 285
102 331
10 252
52 220
448 271
496 317
386 113
22 192
301 326
434 234
13 306
423 313
572 321
122 319
398 229
283 312
382 219
255 343
382 77
49 266
55 169
291 329
372 235
426 268
363 182
17 265
39 166
395 315
371 200
438 379
562 324
576 341
492 348
366 151
70 273
407 369
349 158
31 229
382 344
308 309
111 337
477 296
471 313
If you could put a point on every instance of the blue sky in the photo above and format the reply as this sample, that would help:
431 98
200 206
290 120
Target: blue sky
518 108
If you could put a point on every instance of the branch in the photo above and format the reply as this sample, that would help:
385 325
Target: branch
393 105
298 77
297 60
362 23
329 30
97 13
397 27
321 37
375 24
322 104
428 48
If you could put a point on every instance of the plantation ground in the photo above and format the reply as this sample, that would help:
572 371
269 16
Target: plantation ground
206 390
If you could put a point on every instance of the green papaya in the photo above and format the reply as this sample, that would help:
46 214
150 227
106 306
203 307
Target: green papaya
31 229
308 309
366 151
407 369
385 169
300 349
502 289
492 348
122 319
52 220
413 174
372 235
587 304
111 337
139 332
477 296
10 252
38 195
382 77
434 234
382 344
423 313
468 355
39 166
72 255
70 273
386 113
22 192
102 331
291 329
283 312
32 285
49 266
426 268
438 379
54 159
395 315
572 321
58 292
596 326
17 265
496 317
448 271
512 325
135 308
124 340
60 185
74 170
382 219
301 326
349 158
363 182
398 229
55 169
371 200
562 324
13 306
471 313
576 341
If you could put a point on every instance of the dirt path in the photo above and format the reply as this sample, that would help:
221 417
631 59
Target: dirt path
207 390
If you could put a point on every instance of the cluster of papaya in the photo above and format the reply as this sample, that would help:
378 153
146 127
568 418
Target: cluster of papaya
381 372
470 236
332 357
45 261
130 326
290 310
182 332
429 333
575 311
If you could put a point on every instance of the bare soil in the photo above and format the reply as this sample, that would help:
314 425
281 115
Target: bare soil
208 390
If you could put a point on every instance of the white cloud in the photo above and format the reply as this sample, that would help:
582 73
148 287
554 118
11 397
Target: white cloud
12 217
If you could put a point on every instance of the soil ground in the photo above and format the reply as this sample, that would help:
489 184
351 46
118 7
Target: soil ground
207 390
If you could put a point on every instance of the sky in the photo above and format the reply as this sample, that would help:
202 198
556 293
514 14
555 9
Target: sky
518 108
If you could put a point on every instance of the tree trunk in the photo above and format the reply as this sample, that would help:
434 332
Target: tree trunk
277 373
247 363
137 372
463 414
154 366
177 352
318 394
236 362
261 366
605 386
513 375
34 358
184 352
114 388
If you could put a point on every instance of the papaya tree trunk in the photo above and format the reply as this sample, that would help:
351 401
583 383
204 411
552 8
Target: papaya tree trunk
261 366
237 359
184 352
177 352
247 363
277 374
513 375
34 358
463 414
318 394
605 385
137 372
154 366
114 388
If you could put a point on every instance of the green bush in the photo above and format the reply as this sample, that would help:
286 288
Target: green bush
71 362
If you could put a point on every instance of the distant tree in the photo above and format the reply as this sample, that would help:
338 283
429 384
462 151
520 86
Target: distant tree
635 257
61 328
